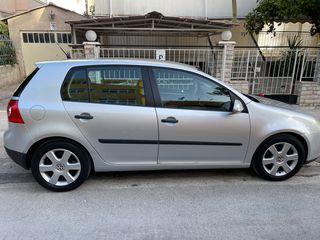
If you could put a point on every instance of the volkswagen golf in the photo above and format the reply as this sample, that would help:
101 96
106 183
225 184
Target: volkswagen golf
69 118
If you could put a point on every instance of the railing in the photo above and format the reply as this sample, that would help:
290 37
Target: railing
278 72
203 59
7 52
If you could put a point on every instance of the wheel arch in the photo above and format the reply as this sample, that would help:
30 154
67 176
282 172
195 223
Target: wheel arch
37 144
300 138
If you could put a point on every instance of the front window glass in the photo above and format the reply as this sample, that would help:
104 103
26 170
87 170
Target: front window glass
181 89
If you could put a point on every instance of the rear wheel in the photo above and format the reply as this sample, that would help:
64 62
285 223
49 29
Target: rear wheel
279 157
60 166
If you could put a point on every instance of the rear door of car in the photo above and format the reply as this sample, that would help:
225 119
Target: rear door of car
196 123
113 107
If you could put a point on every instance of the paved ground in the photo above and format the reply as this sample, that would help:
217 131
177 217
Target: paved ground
215 204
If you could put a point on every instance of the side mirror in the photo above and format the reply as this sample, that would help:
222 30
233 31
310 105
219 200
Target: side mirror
237 106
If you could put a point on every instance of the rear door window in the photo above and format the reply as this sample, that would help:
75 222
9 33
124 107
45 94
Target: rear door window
121 85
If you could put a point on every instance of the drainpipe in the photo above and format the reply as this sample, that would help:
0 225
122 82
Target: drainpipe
206 9
110 8
234 10
87 10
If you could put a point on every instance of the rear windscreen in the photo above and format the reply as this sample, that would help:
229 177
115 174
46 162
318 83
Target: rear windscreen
24 83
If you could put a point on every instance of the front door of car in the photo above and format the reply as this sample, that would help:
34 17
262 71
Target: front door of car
196 124
110 105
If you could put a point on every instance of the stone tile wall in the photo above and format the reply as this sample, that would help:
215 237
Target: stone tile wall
9 75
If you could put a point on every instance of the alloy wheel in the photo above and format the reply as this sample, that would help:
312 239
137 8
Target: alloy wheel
280 159
60 167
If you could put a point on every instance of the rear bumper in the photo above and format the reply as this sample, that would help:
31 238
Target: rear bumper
18 157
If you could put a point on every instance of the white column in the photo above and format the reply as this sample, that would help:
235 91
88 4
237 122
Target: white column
226 59
91 50
317 67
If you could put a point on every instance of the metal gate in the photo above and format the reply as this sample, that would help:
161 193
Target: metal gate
276 70
7 51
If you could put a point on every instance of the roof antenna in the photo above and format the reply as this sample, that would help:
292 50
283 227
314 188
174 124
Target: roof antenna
65 53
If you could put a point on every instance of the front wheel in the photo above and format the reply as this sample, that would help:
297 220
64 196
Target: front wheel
279 157
60 166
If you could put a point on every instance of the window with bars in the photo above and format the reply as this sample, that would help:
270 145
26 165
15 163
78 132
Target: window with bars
41 37
64 37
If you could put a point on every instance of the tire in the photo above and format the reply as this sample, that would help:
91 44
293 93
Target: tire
279 157
60 165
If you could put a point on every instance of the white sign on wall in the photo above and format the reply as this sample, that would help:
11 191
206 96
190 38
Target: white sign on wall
161 54
53 26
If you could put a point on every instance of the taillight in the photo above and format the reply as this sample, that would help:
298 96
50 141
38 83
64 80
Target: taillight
13 112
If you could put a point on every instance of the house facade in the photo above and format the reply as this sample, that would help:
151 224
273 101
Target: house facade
10 7
40 34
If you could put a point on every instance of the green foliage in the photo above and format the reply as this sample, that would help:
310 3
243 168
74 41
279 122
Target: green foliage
92 10
3 29
293 58
294 42
271 11
7 53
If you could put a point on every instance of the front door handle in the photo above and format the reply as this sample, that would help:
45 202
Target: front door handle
169 120
85 116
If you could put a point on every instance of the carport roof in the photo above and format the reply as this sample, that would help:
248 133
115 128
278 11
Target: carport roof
152 22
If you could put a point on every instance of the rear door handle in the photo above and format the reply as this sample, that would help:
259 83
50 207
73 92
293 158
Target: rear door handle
169 120
86 116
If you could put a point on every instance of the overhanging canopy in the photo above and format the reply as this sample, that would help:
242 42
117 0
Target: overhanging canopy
153 22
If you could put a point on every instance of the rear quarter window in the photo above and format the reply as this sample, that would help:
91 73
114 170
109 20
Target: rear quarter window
22 86
75 86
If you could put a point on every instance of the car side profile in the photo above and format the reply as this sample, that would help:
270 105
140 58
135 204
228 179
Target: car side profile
69 118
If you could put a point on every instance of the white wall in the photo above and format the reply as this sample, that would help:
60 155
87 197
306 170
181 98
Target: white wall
245 6
177 8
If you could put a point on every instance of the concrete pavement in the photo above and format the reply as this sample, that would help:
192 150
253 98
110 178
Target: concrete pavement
164 205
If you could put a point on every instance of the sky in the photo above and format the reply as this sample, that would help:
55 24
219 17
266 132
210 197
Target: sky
73 5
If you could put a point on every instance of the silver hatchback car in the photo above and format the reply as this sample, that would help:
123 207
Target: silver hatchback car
71 117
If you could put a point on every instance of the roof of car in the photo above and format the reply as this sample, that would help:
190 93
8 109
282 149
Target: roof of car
120 61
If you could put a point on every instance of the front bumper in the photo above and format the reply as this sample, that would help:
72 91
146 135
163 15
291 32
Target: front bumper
313 147
18 157
309 161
